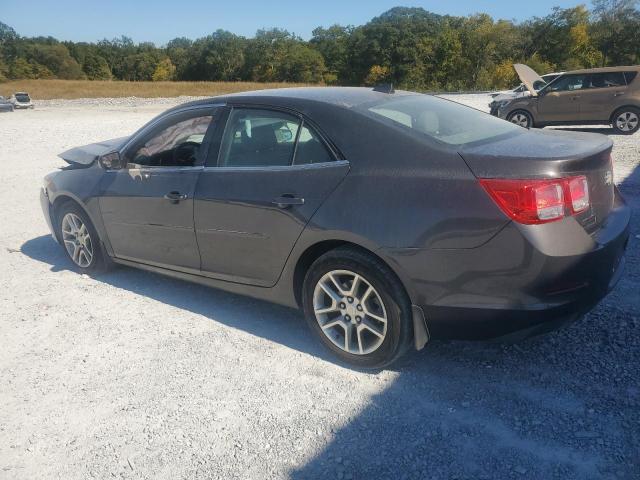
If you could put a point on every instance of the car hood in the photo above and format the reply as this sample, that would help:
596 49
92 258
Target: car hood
536 153
510 96
528 76
88 154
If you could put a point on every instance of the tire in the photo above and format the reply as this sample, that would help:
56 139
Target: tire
626 121
521 118
387 299
87 255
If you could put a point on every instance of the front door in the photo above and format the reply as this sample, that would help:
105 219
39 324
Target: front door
147 207
273 172
560 101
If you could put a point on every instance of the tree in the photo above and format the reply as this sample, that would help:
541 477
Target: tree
615 28
96 67
165 71
219 56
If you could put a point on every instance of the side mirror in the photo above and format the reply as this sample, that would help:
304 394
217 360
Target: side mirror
112 161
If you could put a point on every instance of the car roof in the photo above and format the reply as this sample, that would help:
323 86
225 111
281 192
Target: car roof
346 97
21 93
630 68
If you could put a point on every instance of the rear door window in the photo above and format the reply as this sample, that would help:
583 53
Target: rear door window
311 149
608 79
259 138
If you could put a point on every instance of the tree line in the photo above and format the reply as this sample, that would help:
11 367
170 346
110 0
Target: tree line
409 47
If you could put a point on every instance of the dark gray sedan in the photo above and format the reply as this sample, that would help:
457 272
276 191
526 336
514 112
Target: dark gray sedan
389 217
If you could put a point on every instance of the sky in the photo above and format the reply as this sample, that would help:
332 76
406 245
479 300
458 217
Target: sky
159 21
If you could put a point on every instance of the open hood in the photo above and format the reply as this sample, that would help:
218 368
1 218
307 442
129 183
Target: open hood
529 77
86 155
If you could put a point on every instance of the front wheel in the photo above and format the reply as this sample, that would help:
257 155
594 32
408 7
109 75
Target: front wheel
357 308
626 121
521 118
79 238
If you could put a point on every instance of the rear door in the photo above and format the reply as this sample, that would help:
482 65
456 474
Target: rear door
147 207
273 172
560 101
603 94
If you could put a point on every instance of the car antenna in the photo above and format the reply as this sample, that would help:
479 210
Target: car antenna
384 88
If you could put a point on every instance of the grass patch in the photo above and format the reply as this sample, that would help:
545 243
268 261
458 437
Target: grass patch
68 89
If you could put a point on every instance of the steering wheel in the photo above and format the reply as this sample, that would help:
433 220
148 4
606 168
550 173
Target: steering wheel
184 155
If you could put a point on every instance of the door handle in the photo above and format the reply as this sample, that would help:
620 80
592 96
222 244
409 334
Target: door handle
575 97
288 200
175 197
618 94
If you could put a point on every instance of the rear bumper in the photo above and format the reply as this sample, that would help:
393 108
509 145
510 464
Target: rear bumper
516 285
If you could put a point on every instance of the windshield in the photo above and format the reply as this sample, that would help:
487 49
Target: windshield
443 120
23 98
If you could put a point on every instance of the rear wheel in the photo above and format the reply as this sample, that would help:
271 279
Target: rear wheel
79 238
626 120
357 308
521 118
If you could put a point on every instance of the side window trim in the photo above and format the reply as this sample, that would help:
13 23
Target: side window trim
156 126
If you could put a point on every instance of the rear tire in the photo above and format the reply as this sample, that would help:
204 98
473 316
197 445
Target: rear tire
521 118
79 238
368 325
626 121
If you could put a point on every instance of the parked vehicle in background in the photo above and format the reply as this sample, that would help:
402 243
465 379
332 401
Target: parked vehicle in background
21 100
502 98
538 85
389 218
600 96
5 105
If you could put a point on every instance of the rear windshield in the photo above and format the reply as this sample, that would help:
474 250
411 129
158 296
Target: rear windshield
23 98
443 120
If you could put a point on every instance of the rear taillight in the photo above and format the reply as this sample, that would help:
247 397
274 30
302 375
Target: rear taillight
539 201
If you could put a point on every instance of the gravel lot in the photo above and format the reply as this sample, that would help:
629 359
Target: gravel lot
134 375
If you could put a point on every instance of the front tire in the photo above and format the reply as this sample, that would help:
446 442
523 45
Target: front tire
626 121
79 238
358 308
521 118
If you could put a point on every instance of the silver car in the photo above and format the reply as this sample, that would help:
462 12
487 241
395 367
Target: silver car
21 100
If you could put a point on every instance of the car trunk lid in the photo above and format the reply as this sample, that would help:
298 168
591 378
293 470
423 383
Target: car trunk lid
539 154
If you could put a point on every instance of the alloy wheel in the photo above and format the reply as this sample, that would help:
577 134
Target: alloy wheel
627 121
520 119
77 240
350 312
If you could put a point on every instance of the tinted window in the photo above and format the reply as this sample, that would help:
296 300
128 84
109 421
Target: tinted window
609 79
310 148
630 76
23 98
259 138
443 120
175 145
567 83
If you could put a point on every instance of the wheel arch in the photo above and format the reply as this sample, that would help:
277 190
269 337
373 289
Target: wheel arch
58 202
316 250
615 112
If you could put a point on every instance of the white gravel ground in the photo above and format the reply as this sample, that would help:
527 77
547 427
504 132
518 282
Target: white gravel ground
133 375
